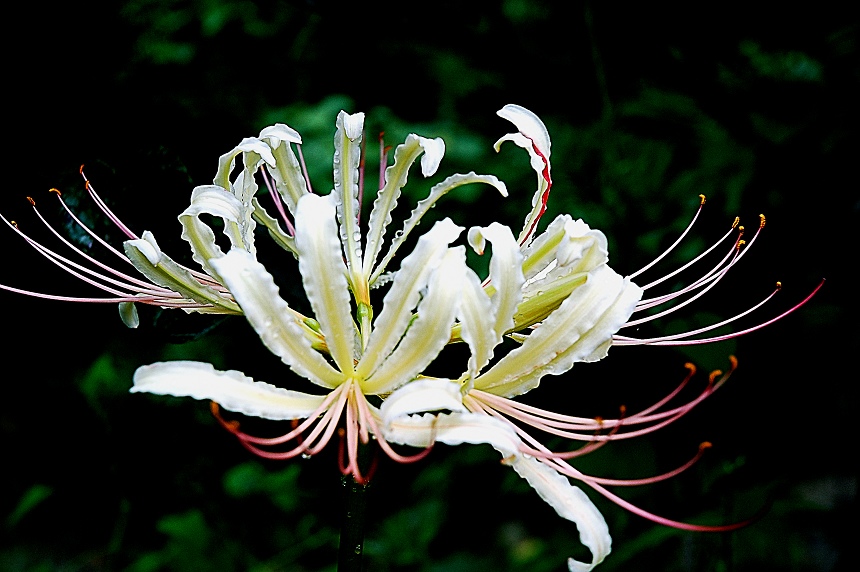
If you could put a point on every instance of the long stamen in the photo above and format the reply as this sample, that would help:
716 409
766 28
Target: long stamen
674 244
104 208
276 198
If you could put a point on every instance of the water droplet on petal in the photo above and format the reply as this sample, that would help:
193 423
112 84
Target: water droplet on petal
306 455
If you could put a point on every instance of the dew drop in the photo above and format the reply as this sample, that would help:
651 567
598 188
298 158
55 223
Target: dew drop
358 548
356 236
306 455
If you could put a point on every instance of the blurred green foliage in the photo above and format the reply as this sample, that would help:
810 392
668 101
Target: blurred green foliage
648 107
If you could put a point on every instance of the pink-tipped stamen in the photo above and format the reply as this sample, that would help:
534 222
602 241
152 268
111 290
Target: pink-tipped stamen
304 168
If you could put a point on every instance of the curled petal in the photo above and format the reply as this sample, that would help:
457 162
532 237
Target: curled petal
534 138
231 389
215 201
572 504
250 146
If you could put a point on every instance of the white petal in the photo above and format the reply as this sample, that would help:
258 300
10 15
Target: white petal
150 261
429 332
572 504
288 176
534 138
257 294
528 124
452 429
404 294
436 192
423 395
347 156
231 389
215 201
434 150
324 276
395 178
279 132
250 145
580 329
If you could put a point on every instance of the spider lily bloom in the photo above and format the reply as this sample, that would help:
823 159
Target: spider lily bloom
168 284
359 354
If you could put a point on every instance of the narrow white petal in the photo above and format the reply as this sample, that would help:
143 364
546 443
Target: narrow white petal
534 138
231 389
506 276
250 145
395 179
429 332
436 192
572 504
288 176
347 156
404 294
257 294
324 276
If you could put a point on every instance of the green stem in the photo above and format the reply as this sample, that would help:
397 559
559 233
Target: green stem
352 525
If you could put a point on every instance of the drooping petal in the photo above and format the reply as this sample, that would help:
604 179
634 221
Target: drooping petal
429 332
289 180
215 201
475 318
436 192
231 389
404 294
251 146
324 276
570 503
256 292
151 261
580 329
395 178
534 138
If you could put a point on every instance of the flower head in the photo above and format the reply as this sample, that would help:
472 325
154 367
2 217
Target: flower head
552 291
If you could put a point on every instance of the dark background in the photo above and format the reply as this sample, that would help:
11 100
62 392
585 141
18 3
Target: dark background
647 108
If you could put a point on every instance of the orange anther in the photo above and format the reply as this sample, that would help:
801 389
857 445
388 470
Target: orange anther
53 190
741 229
598 420
737 220
714 375
622 410
690 366
81 170
701 200
32 202
705 445
778 285
13 223
761 221
734 361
